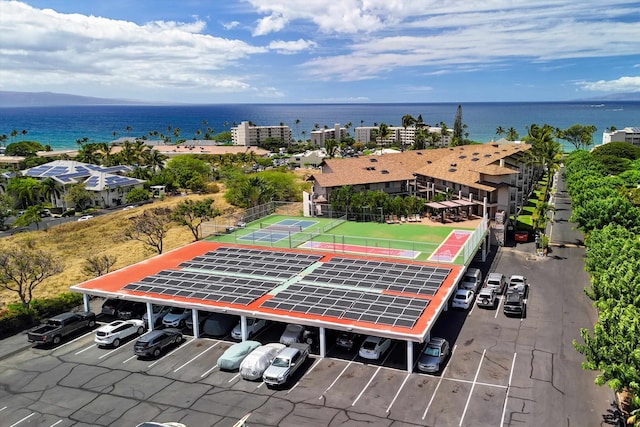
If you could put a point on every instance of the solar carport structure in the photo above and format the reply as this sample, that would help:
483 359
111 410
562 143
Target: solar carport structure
374 296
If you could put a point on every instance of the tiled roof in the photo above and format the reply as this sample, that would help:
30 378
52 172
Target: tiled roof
462 165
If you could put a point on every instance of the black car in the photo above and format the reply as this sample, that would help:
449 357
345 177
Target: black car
110 306
131 310
514 304
154 342
348 340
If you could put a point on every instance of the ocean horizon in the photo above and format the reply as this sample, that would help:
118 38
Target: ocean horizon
60 127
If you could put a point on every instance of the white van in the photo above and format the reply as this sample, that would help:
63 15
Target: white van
472 279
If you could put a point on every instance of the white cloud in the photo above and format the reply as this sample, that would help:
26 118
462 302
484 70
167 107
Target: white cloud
623 84
269 24
291 47
47 49
231 25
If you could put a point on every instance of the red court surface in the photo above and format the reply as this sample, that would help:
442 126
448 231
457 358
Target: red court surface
111 285
359 249
449 250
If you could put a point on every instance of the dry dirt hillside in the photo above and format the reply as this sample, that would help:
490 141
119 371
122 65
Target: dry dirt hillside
73 242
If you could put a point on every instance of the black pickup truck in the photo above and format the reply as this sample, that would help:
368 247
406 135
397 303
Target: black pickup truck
58 327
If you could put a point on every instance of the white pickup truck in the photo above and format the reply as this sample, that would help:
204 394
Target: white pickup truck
285 364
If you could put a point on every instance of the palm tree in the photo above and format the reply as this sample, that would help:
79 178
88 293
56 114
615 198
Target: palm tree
154 160
176 133
3 139
297 122
105 148
128 129
407 120
512 134
383 134
88 153
48 188
13 134
198 133
545 151
24 132
500 131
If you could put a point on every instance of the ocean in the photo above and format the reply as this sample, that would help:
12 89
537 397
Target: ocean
61 127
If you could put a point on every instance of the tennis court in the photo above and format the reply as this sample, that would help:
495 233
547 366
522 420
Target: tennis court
274 232
449 250
359 249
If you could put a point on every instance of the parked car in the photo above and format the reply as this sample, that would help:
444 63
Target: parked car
85 218
374 347
463 298
253 327
292 333
286 364
487 298
110 306
154 342
117 331
254 365
496 281
434 355
234 355
157 315
60 326
219 324
518 283
131 310
176 317
471 280
514 304
347 340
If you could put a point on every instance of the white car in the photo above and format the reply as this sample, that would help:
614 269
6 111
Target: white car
85 218
254 365
462 299
159 311
374 347
176 317
117 331
292 333
253 327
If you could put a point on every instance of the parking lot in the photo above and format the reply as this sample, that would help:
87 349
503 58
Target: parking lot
502 371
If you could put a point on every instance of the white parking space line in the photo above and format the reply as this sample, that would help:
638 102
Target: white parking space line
24 419
336 380
169 354
209 371
109 352
131 358
366 386
56 423
2 409
306 373
194 358
506 398
498 307
74 340
444 371
466 406
83 350
398 392
235 377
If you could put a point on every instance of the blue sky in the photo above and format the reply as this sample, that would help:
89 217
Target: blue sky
308 51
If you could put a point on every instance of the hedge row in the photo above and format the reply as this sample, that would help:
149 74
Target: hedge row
16 318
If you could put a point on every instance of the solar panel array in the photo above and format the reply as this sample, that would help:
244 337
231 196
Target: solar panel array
253 262
379 275
202 286
348 304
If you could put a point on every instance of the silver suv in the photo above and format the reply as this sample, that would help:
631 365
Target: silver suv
496 281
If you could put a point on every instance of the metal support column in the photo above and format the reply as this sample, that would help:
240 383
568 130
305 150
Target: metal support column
243 327
150 319
195 318
85 300
323 342
409 356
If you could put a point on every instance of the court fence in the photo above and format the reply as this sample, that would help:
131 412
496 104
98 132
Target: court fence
224 223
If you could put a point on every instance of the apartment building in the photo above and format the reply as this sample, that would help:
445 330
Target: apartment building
319 136
628 134
249 135
399 134
497 172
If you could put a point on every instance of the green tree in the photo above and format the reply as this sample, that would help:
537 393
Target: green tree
23 268
23 148
98 265
192 214
188 170
6 209
150 228
137 195
79 197
25 190
512 134
614 348
581 137
500 131
32 215
458 128
407 121
331 147
545 151
383 135
615 209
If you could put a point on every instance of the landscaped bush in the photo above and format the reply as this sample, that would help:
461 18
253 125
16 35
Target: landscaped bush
16 318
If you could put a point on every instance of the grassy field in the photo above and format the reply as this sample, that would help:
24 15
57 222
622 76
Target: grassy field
73 242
